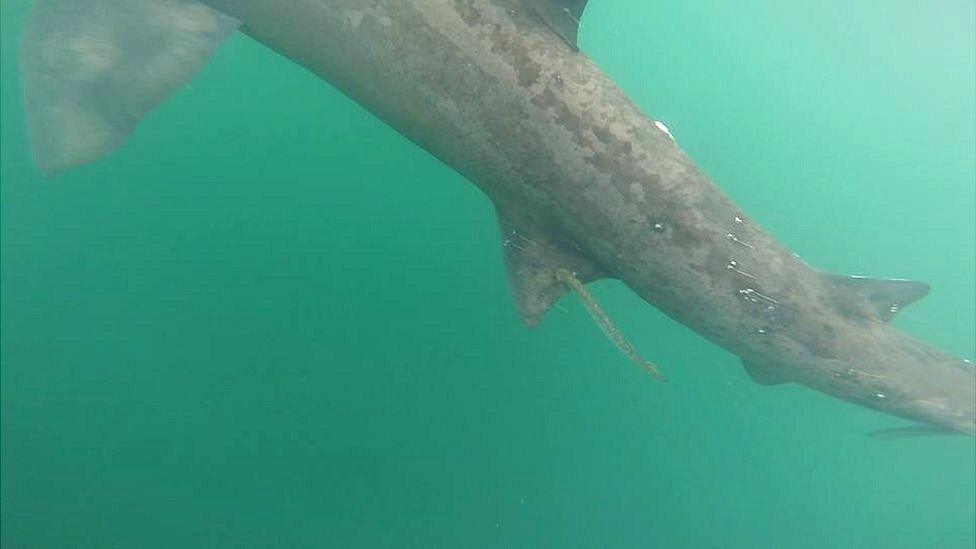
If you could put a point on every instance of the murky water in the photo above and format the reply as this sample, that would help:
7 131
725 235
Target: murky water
270 321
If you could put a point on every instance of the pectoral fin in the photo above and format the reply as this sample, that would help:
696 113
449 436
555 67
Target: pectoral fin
532 258
93 68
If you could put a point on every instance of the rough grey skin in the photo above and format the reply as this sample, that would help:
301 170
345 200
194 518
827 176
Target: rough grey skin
582 180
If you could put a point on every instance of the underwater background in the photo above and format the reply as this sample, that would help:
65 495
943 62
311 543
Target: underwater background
268 320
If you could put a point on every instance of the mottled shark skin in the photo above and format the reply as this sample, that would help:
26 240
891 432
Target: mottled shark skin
582 180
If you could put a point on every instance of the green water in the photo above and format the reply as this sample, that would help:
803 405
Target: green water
270 321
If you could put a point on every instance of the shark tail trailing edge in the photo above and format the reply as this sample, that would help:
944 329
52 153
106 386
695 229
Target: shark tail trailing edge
93 68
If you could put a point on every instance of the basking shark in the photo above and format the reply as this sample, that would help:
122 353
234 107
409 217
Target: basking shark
584 184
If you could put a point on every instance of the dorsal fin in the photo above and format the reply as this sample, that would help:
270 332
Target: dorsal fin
764 373
562 16
885 297
92 68
532 258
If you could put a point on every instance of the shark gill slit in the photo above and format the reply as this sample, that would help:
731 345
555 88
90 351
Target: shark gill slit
606 325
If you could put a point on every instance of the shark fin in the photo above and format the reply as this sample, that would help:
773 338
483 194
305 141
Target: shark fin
562 16
532 258
765 374
92 68
885 297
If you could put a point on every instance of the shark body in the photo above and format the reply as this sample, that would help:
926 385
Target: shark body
582 181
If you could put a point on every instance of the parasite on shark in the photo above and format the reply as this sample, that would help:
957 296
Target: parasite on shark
606 325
